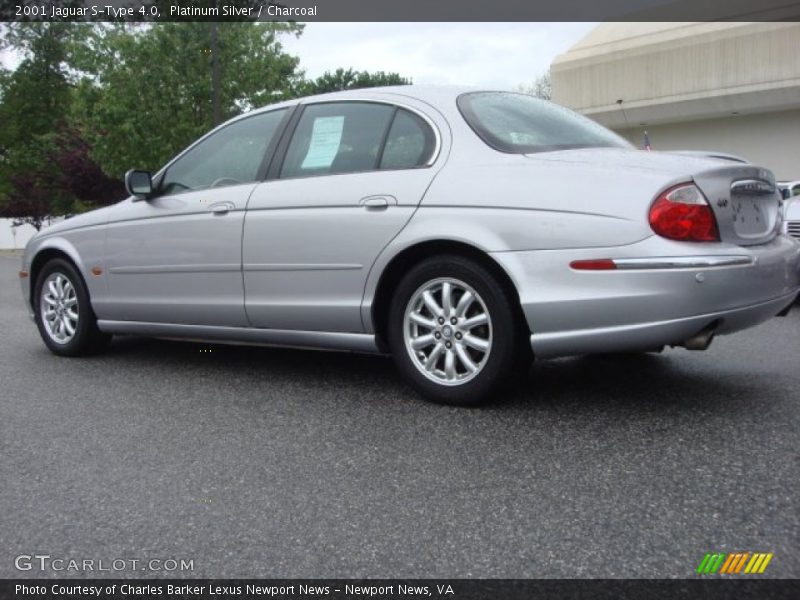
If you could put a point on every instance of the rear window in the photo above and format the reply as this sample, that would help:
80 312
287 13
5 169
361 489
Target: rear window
518 123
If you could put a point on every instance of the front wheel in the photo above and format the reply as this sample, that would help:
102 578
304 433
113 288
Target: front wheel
64 315
452 331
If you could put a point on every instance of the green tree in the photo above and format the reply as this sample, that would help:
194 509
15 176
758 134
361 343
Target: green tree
35 104
146 92
45 167
349 80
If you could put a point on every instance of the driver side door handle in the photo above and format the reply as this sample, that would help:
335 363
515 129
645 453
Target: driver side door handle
221 208
378 202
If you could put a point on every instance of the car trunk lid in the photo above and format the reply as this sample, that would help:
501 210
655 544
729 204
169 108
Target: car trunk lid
744 198
745 201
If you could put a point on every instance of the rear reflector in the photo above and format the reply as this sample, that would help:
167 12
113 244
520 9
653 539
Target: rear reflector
23 274
600 264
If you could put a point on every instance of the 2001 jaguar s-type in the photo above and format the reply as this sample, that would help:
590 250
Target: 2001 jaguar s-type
461 231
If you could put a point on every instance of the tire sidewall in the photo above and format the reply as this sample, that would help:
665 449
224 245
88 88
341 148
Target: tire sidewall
495 373
85 331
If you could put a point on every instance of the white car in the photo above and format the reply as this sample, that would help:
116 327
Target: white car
791 220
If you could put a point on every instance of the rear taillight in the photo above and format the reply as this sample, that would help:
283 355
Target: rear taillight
682 213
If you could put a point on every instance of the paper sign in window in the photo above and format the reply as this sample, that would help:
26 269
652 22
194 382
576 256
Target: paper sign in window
326 137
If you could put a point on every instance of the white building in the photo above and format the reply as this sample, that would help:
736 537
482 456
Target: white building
728 86
14 237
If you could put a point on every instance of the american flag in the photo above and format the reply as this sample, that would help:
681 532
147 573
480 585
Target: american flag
647 145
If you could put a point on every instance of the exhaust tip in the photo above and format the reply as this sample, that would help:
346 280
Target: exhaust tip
702 339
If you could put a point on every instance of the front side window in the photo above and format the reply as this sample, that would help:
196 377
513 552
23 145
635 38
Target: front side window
231 156
518 123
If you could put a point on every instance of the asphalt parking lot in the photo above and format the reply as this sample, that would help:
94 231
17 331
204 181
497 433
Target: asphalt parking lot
288 463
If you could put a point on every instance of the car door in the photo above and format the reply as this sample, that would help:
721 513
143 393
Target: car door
350 177
176 257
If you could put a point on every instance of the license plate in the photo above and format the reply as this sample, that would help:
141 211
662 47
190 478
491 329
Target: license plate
748 215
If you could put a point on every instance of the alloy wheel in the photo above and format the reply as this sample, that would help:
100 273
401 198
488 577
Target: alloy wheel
59 308
447 331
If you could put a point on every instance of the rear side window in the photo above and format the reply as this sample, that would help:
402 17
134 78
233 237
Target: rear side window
337 137
518 123
409 144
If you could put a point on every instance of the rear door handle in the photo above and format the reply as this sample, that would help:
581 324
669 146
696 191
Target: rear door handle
221 208
377 202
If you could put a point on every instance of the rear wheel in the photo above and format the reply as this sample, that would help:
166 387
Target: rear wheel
63 313
452 331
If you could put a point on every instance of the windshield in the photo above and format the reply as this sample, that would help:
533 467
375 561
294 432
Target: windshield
518 123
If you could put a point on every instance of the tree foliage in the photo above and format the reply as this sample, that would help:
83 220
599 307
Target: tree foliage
349 79
146 92
89 101
34 107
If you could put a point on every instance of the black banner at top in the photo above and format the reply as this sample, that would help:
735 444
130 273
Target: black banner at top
398 10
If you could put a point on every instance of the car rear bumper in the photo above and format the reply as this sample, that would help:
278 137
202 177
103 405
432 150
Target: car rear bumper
660 293
644 336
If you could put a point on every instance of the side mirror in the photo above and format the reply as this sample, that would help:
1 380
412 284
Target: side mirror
139 184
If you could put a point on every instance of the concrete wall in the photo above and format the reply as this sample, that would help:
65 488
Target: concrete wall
7 239
771 140
670 72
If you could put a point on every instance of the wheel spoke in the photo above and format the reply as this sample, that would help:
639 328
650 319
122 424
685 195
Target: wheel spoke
423 341
433 357
69 327
464 358
72 315
447 304
430 302
450 365
476 342
422 321
464 303
476 321
51 285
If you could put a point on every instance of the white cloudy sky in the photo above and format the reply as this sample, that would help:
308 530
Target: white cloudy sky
500 55
492 54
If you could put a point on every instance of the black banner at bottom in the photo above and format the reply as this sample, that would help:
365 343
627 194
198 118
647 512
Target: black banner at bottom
399 589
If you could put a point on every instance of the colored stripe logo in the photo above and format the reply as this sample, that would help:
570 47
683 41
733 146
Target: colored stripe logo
734 563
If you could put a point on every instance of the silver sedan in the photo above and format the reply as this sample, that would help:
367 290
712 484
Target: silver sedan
461 231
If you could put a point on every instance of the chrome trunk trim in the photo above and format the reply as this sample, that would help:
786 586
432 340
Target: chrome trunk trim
683 262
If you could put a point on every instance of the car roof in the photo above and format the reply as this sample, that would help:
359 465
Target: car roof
436 95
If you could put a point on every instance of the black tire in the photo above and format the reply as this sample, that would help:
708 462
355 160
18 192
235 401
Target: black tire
507 356
87 338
